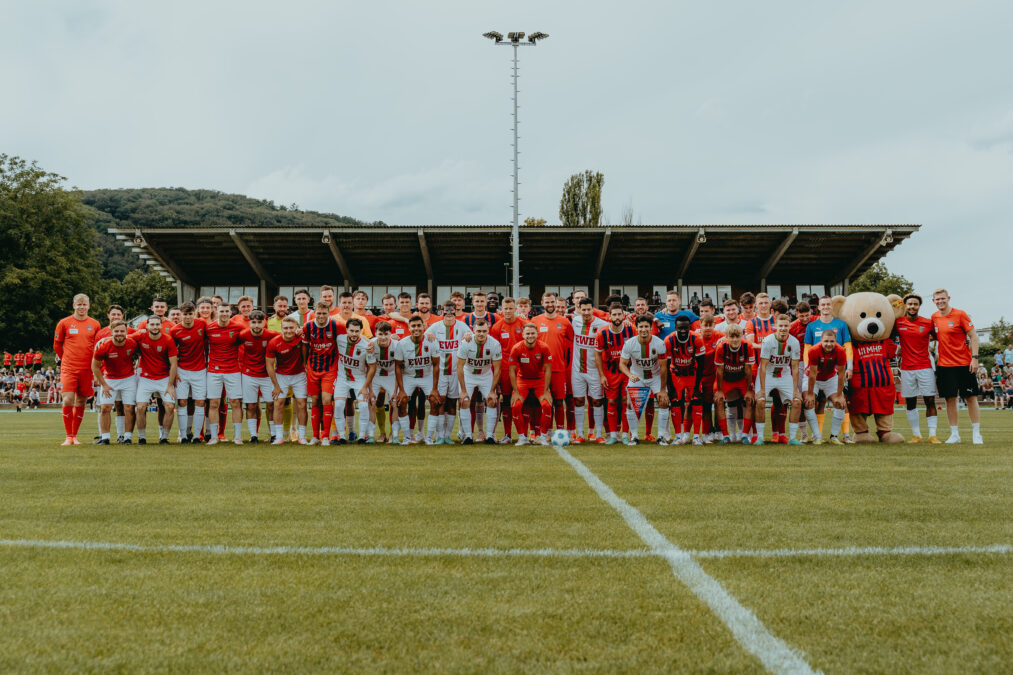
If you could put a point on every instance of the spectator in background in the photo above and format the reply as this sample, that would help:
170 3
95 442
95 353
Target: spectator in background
999 359
657 300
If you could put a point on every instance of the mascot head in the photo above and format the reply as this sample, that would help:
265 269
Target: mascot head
869 316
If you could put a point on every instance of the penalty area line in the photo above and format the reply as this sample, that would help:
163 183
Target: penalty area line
746 627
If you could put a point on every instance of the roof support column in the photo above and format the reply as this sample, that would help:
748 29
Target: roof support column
852 269
346 274
424 248
602 251
775 257
687 258
254 262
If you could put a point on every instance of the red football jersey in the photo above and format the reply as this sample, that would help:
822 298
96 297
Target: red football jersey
557 334
116 362
915 336
709 345
254 350
508 334
73 342
398 329
287 355
192 344
827 362
682 355
734 361
155 355
223 348
530 362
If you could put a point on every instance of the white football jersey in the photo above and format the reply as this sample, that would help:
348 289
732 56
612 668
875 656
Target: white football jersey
644 357
479 359
383 357
780 354
417 359
351 359
585 342
448 339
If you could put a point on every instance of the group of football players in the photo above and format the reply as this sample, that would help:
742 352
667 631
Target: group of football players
597 373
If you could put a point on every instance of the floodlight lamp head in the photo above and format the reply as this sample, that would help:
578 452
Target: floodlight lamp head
138 240
701 237
493 35
516 36
534 37
325 238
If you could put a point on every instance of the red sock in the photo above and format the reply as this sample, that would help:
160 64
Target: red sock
649 417
747 426
315 416
522 421
560 416
707 418
624 423
611 417
327 421
676 418
723 425
697 419
78 418
507 419
571 415
547 416
68 419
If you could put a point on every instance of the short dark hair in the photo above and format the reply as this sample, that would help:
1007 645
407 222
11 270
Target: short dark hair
779 306
303 291
403 294
353 322
157 298
415 318
584 301
643 318
615 306
382 326
280 297
112 307
481 322
747 298
915 296
682 318
706 302
258 315
803 306
188 307
345 294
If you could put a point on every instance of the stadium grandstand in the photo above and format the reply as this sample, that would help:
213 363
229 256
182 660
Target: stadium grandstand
716 261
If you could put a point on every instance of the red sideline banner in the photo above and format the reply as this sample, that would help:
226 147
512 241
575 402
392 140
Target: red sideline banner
638 398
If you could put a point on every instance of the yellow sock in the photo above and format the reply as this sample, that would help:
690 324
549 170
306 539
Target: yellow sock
819 422
287 417
381 420
846 426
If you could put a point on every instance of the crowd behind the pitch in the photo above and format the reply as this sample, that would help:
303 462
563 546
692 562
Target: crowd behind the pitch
352 360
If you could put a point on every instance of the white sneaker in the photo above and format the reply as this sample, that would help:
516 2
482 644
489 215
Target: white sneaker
953 439
506 440
976 439
213 440
238 441
430 441
279 441
697 441
523 440
543 440
314 441
325 441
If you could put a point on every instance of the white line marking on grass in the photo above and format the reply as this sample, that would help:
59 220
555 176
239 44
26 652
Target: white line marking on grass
773 652
851 551
223 549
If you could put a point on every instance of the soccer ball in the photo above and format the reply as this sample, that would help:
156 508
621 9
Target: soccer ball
560 438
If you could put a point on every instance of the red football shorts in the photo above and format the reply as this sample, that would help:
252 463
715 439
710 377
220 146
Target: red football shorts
505 387
615 385
681 388
738 385
533 386
78 382
559 385
707 386
317 381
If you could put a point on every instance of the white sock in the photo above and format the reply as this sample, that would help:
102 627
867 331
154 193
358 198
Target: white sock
142 433
976 428
363 419
954 431
251 426
198 418
491 416
302 432
121 424
105 436
663 416
760 427
810 417
792 430
448 426
431 424
466 422
189 419
631 417
339 418
836 421
182 422
214 430
162 433
579 414
932 421
912 419
599 420
237 430
479 419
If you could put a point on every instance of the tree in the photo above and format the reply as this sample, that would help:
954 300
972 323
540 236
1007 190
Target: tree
46 253
534 222
877 279
580 205
137 290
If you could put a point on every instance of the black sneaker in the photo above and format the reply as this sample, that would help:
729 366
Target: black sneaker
207 437
142 441
163 441
351 436
102 441
340 441
489 440
273 439
190 439
468 441
97 441
253 439
125 441
360 441
119 439
184 440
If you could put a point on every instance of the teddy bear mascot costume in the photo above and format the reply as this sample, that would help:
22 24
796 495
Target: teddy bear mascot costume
872 390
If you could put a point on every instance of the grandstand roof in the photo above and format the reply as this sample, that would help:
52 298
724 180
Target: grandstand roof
476 254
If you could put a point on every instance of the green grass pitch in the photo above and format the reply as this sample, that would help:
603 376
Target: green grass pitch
478 558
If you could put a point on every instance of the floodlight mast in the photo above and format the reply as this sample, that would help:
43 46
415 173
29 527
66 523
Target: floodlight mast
514 40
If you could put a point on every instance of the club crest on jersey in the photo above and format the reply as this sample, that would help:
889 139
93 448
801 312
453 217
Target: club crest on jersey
158 348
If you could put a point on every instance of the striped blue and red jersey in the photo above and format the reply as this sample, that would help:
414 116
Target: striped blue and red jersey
872 364
323 344
469 319
610 344
682 355
734 361
760 328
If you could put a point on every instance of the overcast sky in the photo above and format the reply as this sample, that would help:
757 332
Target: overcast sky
696 112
